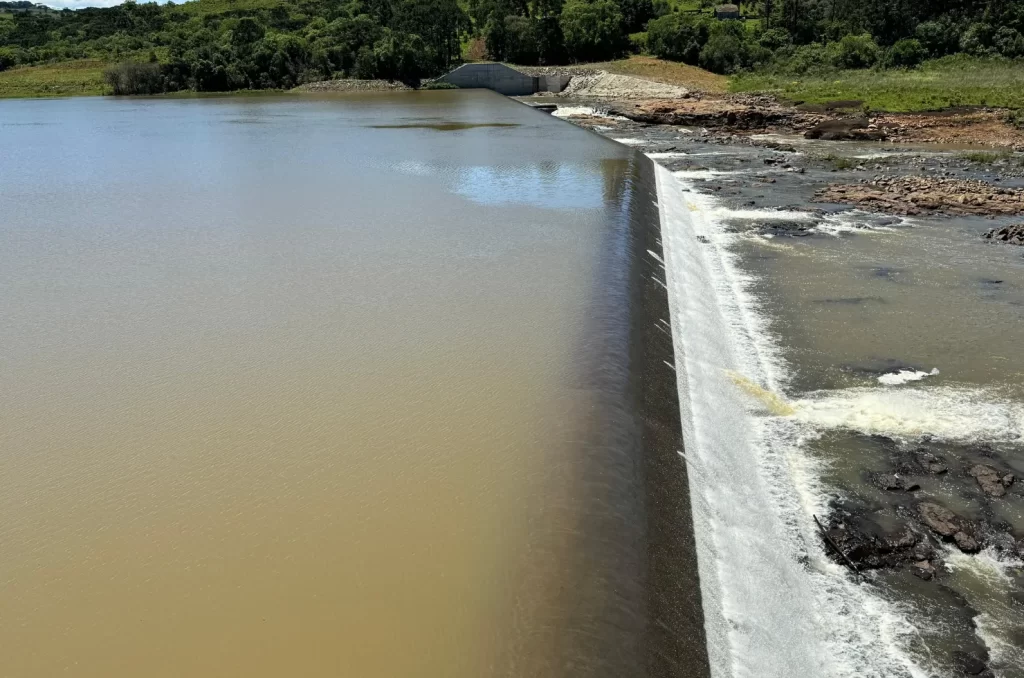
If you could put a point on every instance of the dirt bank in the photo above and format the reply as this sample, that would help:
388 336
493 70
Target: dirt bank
352 85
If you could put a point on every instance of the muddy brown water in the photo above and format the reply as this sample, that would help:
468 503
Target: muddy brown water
287 394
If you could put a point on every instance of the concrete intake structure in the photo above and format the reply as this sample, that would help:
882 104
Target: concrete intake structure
503 80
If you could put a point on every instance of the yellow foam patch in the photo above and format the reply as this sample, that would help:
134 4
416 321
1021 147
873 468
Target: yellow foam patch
772 401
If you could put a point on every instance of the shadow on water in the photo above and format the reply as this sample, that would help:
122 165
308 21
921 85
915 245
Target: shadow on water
445 126
626 600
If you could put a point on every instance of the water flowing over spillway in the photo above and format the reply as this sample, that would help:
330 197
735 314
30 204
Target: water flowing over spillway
774 604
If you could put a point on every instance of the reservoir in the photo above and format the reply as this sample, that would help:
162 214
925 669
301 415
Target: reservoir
359 386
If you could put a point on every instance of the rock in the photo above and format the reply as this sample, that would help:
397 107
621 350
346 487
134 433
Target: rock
938 518
989 480
966 542
894 483
929 462
913 195
847 129
1014 235
923 569
968 664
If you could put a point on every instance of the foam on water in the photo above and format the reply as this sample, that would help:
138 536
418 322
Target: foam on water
774 604
905 376
962 415
630 141
584 112
998 621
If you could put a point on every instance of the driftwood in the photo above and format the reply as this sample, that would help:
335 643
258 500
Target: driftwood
835 547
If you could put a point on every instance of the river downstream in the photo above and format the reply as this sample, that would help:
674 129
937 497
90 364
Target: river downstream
854 368
369 385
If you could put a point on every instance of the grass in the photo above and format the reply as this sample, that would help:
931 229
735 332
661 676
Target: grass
68 78
670 72
936 85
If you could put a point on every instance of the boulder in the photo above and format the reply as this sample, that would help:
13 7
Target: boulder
1013 234
990 480
938 518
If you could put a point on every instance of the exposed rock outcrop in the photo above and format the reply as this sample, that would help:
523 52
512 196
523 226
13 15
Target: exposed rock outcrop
926 195
1013 234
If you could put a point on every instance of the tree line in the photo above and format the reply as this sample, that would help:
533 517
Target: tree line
219 45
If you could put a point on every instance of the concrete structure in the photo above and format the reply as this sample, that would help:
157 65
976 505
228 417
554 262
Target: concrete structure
553 83
727 12
498 77
504 80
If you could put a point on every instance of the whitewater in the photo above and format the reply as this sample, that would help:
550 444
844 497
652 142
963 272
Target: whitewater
774 604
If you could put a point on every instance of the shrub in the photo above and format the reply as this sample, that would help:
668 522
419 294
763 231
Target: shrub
679 37
592 29
1009 42
723 53
906 53
134 78
638 43
773 39
938 38
854 51
8 59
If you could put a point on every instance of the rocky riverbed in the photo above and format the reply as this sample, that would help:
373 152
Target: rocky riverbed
901 323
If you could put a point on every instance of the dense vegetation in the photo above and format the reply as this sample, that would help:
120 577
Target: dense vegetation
223 45
216 45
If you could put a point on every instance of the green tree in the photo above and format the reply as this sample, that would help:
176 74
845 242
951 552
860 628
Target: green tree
8 58
679 37
592 30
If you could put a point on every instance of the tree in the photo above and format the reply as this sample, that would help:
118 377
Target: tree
636 14
679 37
592 30
8 59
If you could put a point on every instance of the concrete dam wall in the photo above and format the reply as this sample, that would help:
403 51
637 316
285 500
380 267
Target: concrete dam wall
503 80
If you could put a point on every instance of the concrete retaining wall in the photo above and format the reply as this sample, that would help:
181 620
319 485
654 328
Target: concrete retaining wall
497 77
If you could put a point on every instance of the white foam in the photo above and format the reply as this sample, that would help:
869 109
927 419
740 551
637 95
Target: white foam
584 112
666 155
905 376
947 413
774 604
704 174
629 141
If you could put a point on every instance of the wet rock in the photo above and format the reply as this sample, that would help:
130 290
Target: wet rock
866 545
893 483
990 480
929 462
966 542
968 664
1014 234
923 569
939 518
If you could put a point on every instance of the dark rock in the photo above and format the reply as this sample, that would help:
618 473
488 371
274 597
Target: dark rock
929 462
966 542
893 483
1013 234
967 663
923 569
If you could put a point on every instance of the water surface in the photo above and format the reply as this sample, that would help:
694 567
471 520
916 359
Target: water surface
316 387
